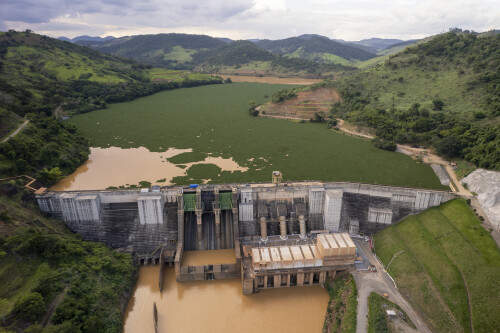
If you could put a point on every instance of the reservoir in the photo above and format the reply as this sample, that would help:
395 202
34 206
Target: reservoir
220 306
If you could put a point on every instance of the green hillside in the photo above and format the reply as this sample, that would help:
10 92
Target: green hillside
311 47
232 57
51 280
161 50
443 91
448 267
42 78
212 55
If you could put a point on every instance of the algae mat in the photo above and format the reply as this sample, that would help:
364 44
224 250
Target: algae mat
214 120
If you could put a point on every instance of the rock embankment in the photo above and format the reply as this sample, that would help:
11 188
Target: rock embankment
487 186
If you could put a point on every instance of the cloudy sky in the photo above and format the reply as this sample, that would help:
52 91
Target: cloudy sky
243 19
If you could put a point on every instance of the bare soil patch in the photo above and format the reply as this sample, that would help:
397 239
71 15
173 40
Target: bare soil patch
270 79
305 105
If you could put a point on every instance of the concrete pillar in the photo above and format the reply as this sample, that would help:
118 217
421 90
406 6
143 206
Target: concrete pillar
217 226
263 228
198 222
277 281
265 281
322 278
288 280
302 225
283 228
300 279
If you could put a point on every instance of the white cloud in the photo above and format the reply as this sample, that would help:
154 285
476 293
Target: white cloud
273 19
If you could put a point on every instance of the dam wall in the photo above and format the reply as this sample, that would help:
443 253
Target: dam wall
210 217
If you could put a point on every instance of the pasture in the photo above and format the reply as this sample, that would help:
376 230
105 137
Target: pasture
449 268
214 120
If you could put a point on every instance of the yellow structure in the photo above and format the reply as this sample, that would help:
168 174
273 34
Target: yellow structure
277 177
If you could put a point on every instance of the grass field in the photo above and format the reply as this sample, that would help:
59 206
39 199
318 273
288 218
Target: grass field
449 269
214 119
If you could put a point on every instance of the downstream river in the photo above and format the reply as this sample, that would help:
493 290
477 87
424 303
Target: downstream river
220 306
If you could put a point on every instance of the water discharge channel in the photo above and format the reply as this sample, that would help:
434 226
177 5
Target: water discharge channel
220 306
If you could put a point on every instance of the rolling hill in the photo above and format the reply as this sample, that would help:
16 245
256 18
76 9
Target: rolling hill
213 55
316 48
443 91
162 50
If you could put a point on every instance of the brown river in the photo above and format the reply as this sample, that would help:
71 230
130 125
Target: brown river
220 306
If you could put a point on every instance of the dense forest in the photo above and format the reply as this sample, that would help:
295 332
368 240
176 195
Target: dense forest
444 92
53 281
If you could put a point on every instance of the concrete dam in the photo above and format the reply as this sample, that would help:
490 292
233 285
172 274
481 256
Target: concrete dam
283 234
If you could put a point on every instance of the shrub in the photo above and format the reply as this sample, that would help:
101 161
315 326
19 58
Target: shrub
30 306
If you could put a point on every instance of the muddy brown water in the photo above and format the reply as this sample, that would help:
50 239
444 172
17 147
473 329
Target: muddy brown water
115 166
270 80
211 257
220 306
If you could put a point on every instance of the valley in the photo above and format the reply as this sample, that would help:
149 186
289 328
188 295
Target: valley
130 118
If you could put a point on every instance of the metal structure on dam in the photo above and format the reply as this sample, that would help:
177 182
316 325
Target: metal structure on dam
283 221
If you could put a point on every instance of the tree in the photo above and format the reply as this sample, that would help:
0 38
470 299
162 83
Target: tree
30 306
52 175
438 104
448 146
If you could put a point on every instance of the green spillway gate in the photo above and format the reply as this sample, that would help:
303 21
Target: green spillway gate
189 202
226 200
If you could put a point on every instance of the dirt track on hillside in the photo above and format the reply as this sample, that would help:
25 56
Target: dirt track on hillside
428 157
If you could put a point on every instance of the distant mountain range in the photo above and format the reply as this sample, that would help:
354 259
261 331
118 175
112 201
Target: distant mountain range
187 51
86 38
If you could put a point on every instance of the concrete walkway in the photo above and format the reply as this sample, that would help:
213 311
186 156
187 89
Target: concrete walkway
379 282
19 129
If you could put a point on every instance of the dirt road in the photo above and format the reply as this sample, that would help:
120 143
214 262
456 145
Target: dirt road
19 129
428 157
381 283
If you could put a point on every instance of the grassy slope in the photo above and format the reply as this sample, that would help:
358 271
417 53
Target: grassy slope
84 285
59 61
214 119
446 251
322 56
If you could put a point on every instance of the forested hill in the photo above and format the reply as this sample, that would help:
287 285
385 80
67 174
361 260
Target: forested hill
160 49
316 48
39 77
444 92
249 57
204 53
